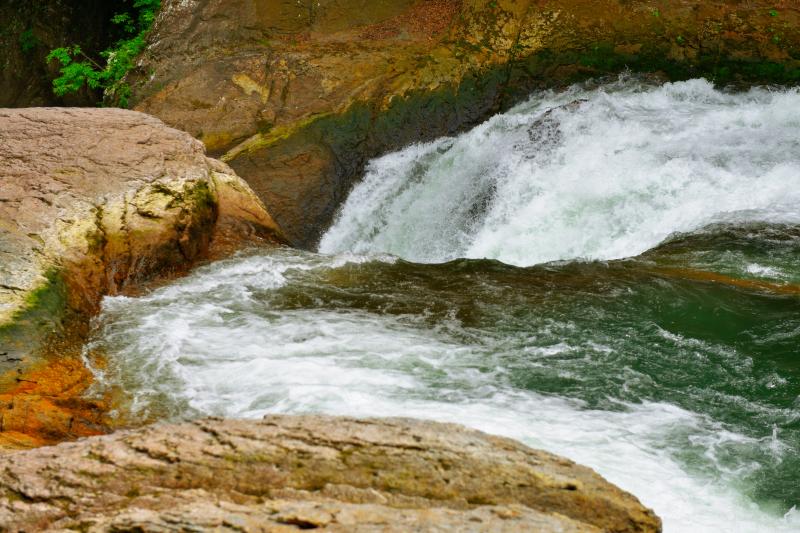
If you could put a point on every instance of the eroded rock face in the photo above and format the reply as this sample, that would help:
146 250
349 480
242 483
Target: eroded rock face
91 202
285 473
297 96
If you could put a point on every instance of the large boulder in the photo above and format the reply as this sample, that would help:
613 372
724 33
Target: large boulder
287 473
93 202
297 96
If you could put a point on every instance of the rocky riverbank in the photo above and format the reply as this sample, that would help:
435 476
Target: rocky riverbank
296 97
93 202
286 473
98 201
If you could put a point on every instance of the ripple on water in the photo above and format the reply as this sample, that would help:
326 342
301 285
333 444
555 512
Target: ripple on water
670 373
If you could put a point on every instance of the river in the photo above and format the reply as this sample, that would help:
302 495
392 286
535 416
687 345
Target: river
610 272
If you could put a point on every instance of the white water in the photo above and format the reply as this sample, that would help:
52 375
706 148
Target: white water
600 174
611 177
209 344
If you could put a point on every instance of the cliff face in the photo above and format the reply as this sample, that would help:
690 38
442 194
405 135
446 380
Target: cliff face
93 201
297 96
288 473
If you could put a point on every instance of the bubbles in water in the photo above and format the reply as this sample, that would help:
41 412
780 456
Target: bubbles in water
192 349
582 174
582 366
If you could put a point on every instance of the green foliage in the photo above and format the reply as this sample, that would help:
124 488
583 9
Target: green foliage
773 12
79 70
74 74
28 41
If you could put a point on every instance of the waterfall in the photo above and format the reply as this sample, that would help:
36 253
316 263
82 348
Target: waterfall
672 371
582 175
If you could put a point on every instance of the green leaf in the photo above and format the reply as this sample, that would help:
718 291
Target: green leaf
79 70
124 20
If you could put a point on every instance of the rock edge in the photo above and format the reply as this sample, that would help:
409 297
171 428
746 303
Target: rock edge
94 202
285 473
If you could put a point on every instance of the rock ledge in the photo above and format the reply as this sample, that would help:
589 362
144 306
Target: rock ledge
285 473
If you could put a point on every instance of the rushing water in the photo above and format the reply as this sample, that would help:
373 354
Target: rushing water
611 274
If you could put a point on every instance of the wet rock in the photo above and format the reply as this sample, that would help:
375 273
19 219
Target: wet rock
298 96
286 473
92 202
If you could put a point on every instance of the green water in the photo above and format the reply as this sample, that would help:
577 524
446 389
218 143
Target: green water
637 331
644 320
637 337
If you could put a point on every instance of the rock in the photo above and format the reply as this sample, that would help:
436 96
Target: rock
92 202
285 473
198 513
298 96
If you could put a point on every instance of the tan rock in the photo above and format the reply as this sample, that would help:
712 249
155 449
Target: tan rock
93 201
300 472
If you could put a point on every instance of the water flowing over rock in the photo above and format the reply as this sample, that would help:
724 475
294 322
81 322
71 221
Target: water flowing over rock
93 201
298 96
286 473
542 182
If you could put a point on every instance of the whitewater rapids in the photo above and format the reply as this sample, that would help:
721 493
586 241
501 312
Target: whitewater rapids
609 273
582 174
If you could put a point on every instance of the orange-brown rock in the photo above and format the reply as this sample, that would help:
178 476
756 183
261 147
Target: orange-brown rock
297 96
287 473
46 406
93 201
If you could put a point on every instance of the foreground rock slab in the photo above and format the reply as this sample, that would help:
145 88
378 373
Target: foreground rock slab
285 473
92 202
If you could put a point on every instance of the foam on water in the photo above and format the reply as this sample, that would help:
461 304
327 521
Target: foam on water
211 344
583 174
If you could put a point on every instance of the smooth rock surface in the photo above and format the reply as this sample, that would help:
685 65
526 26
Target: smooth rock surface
286 473
114 192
